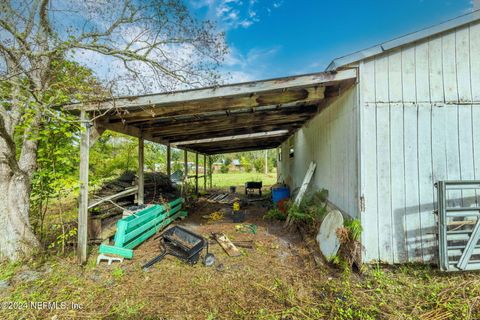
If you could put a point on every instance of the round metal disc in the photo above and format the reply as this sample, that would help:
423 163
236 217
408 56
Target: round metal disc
209 260
327 235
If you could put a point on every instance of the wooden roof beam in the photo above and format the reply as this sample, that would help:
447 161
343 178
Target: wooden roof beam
248 88
231 132
234 138
226 105
133 131
240 148
257 126
270 114
250 120
212 115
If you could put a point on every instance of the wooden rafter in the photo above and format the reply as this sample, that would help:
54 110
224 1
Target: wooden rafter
235 137
226 118
214 93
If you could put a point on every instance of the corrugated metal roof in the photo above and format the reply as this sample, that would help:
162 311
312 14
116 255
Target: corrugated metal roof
401 41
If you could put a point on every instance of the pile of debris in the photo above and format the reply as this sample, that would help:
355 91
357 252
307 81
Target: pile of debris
157 188
119 194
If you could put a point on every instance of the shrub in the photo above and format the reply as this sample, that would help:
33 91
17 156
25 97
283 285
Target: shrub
224 168
275 214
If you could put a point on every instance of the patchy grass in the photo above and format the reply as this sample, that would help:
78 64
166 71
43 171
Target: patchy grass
242 290
239 178
276 280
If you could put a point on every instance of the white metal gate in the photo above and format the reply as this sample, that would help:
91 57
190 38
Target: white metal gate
458 225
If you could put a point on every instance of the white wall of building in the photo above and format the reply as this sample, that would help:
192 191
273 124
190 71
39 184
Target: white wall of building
420 123
329 139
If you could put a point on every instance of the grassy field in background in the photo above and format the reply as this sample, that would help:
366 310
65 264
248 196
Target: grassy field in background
239 178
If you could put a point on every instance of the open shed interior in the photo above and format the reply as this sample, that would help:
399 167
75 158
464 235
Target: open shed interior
254 115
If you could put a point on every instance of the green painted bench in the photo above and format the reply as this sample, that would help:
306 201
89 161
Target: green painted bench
138 227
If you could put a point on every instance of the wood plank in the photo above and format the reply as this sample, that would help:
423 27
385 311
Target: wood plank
196 172
227 245
275 110
141 165
132 131
118 195
426 184
275 133
367 81
439 158
282 98
436 70
476 144
462 50
368 151
221 144
122 252
413 222
305 183
395 76
222 132
210 171
452 152
235 148
169 162
474 61
256 118
385 223
248 88
82 234
204 172
466 152
422 76
381 79
397 159
449 67
154 230
408 75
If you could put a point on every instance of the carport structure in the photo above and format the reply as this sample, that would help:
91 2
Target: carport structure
230 118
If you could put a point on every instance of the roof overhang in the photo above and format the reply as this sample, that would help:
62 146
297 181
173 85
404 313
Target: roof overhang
229 118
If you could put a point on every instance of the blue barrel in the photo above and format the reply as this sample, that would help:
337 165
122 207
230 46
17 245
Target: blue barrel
280 193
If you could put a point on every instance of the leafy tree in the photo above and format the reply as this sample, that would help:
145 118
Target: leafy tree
246 164
259 164
154 42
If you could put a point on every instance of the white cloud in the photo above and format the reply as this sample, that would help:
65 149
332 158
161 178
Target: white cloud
232 14
253 65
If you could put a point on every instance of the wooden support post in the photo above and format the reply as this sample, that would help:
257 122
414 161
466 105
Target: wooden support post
205 172
266 162
210 172
185 164
83 197
196 172
169 160
141 181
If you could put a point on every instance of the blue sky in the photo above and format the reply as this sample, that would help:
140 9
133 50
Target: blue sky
283 37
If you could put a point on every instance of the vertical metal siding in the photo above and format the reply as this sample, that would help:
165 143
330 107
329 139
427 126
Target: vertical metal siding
420 123
330 139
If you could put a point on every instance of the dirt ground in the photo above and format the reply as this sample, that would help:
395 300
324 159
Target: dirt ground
234 287
277 279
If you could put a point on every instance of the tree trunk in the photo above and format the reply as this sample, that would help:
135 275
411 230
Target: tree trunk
17 240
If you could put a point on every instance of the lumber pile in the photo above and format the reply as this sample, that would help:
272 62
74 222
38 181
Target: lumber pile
109 201
222 197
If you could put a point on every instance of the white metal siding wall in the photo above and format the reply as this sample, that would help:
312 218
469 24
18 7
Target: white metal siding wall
330 139
420 123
